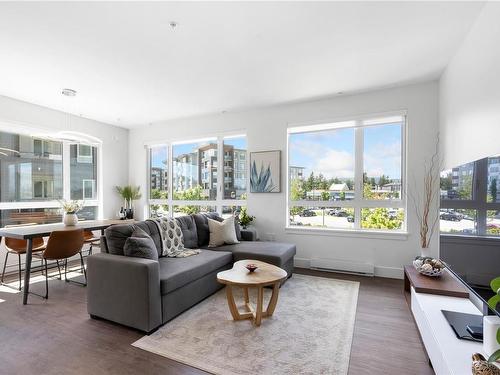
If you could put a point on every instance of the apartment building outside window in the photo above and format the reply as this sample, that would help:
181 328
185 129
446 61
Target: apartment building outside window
348 175
35 173
194 168
470 199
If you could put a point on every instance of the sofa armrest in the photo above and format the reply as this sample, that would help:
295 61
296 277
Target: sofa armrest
125 290
248 234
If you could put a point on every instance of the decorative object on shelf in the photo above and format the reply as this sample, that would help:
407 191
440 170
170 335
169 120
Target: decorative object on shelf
265 172
251 267
129 194
480 366
429 266
70 209
492 303
491 324
244 218
425 205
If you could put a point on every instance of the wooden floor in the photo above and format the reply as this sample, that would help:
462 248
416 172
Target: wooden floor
58 337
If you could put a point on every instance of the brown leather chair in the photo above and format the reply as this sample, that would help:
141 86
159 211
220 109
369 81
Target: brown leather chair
18 246
62 245
88 237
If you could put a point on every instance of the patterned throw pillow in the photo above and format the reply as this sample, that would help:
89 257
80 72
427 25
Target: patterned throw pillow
174 240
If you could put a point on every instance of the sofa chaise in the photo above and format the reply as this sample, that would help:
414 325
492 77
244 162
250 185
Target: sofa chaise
144 294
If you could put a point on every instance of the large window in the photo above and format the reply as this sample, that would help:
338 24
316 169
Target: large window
347 175
470 202
35 173
206 175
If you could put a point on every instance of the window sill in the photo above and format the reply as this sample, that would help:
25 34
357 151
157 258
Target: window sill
469 237
377 234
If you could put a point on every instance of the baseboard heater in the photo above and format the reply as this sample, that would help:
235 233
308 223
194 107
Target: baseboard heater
343 266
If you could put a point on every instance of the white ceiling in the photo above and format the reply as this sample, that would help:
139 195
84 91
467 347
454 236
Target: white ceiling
130 68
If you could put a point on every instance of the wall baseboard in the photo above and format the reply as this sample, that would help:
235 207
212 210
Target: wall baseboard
380 271
389 272
302 263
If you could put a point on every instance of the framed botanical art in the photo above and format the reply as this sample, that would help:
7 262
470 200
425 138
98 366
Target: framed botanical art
265 172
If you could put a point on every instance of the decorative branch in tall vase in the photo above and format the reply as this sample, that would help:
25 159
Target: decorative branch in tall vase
129 194
423 203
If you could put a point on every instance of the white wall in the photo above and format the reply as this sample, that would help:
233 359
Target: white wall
16 115
266 130
470 93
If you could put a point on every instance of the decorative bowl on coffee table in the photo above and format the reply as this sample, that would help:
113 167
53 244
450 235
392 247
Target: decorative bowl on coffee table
251 267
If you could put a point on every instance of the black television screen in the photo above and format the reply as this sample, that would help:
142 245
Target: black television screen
482 294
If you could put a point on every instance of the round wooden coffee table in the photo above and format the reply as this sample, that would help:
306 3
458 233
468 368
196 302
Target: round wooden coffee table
265 275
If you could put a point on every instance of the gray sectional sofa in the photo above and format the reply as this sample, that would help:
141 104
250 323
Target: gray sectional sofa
144 294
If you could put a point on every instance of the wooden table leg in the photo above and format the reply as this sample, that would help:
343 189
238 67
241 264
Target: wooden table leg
258 310
27 270
273 301
232 305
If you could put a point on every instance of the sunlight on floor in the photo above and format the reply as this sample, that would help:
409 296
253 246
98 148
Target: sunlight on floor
11 287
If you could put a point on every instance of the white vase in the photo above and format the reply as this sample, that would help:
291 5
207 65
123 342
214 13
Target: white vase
491 323
70 219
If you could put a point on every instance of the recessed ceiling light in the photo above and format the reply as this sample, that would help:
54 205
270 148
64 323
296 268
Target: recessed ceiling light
68 92
173 24
340 93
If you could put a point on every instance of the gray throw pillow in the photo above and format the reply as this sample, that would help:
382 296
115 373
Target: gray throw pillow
140 245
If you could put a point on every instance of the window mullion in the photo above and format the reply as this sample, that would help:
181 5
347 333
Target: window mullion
480 193
170 179
220 173
66 171
358 173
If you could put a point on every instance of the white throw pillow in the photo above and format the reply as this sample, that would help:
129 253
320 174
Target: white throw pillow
222 232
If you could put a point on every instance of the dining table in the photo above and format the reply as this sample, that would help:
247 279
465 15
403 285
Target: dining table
43 230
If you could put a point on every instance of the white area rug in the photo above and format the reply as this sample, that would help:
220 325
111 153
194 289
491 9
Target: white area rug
310 332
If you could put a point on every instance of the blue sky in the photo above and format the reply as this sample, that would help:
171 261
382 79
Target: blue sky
332 152
159 154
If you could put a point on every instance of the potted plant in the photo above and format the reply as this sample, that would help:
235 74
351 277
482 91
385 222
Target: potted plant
492 303
129 194
70 209
245 219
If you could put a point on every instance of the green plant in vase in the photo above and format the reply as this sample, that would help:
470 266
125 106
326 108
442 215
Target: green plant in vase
129 194
245 219
492 303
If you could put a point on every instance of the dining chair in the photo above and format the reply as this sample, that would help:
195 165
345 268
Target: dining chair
89 238
62 245
18 247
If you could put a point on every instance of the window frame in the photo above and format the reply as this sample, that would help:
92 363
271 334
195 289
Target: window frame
358 123
66 176
170 202
82 157
479 201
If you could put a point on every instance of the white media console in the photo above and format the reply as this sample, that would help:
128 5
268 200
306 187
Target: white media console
427 297
448 354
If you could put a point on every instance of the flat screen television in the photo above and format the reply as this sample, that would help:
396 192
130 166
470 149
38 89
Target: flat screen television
469 219
469 326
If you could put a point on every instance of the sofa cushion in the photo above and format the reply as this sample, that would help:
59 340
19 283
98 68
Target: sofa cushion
116 235
189 232
201 222
276 253
177 272
222 232
140 245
